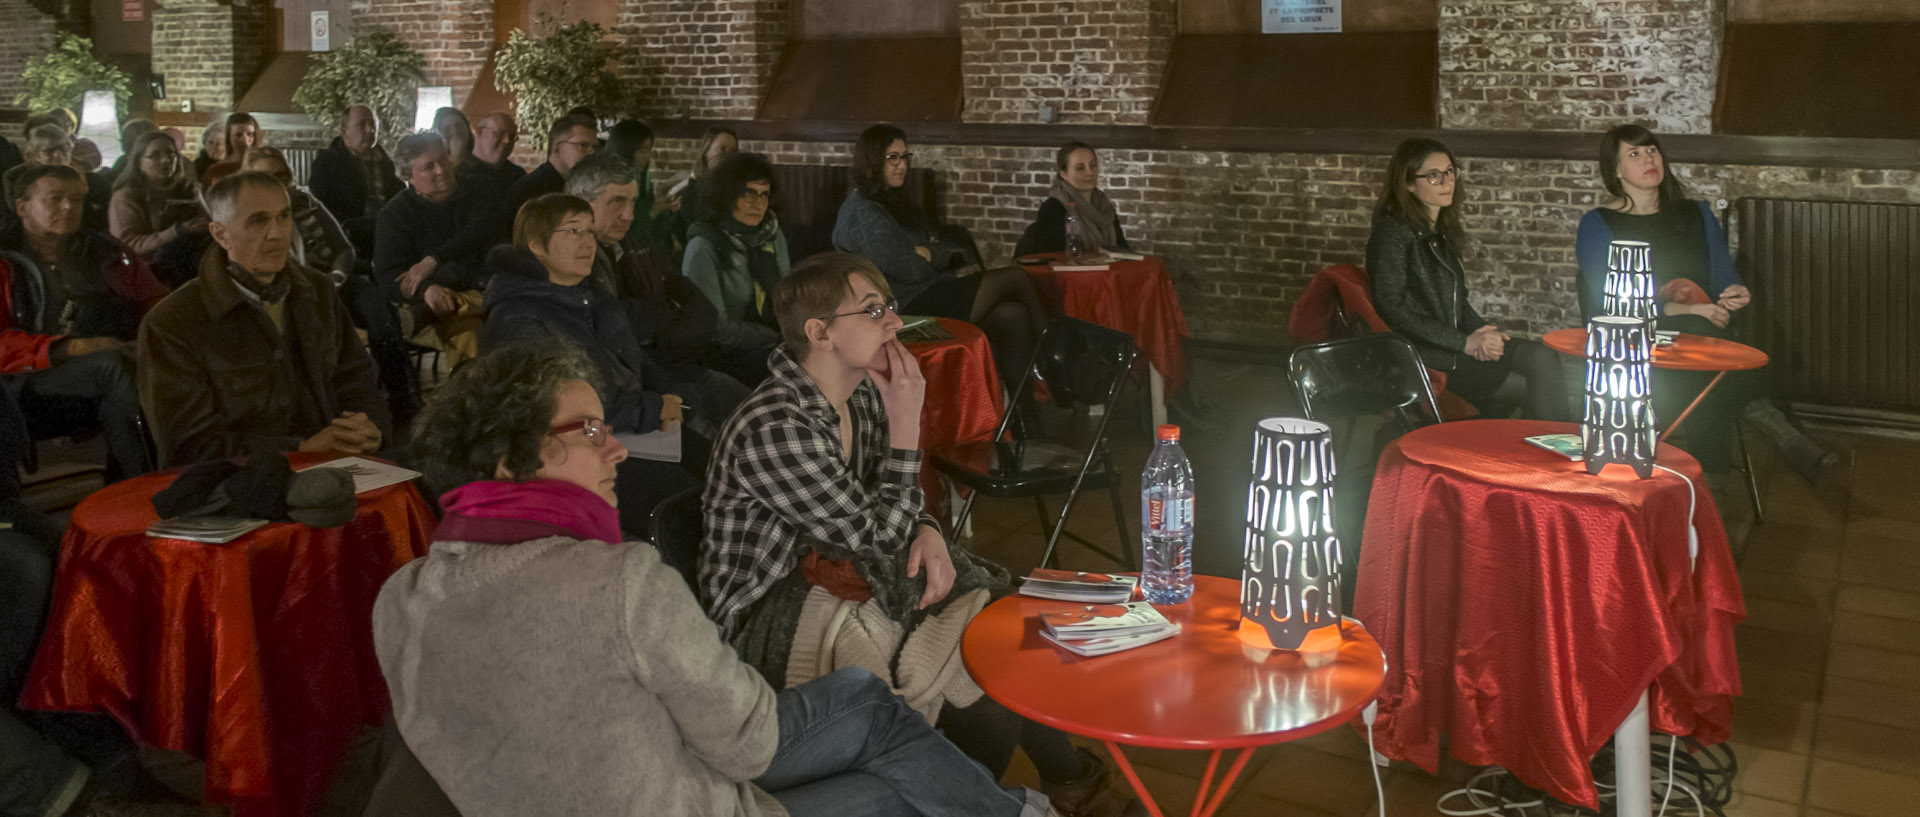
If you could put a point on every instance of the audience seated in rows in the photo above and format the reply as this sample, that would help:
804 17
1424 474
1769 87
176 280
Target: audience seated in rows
243 134
817 534
1420 290
656 215
735 255
1076 183
540 292
72 299
541 662
430 250
493 141
257 354
569 139
354 178
154 202
880 222
49 143
669 318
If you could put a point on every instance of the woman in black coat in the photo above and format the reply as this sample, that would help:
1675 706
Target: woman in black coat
1420 290
1076 184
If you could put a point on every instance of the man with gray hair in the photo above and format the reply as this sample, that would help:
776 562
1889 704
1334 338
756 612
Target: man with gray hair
354 178
670 318
432 242
256 355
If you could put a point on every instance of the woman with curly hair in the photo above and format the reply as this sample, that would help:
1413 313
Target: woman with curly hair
540 663
735 255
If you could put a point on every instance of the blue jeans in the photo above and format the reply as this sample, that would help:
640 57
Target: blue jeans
849 747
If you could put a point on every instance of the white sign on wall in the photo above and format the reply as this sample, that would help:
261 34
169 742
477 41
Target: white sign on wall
322 31
1299 16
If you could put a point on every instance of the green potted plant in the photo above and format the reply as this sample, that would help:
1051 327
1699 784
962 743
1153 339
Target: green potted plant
376 69
61 78
550 74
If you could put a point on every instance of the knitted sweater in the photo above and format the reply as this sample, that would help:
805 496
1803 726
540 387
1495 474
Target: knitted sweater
561 676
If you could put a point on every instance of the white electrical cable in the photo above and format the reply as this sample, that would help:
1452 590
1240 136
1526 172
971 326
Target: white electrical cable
1673 751
1693 500
1373 757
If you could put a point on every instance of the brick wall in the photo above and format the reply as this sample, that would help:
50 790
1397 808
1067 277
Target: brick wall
27 34
1579 65
701 58
455 36
1089 60
193 44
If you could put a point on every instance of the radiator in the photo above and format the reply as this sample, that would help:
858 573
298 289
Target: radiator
1836 300
300 161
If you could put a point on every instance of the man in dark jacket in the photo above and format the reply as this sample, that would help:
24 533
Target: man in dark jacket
433 240
494 138
671 319
354 178
256 355
540 292
571 139
70 299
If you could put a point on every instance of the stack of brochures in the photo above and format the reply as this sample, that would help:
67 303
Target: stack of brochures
1099 629
1072 585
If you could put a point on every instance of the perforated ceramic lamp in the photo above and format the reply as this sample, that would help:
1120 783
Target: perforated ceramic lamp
1618 427
1290 563
1629 287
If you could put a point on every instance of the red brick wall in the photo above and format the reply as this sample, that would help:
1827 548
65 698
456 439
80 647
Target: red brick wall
26 35
455 36
193 44
701 58
1090 60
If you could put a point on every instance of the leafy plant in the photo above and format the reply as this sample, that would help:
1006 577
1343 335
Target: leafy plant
62 78
377 70
551 74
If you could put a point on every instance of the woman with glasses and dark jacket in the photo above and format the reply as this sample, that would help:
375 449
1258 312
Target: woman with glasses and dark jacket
735 255
930 268
1420 290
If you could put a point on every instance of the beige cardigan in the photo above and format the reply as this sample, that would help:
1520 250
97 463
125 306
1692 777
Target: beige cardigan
137 219
560 676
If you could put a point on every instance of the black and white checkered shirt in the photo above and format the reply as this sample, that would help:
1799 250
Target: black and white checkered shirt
776 482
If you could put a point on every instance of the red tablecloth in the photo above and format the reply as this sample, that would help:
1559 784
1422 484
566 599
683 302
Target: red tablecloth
963 397
256 655
1135 297
1524 605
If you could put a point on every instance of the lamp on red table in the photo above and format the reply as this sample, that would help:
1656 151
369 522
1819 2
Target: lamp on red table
1618 426
1629 287
1290 563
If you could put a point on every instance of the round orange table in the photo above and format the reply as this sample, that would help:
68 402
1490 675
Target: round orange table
1687 352
255 655
1200 689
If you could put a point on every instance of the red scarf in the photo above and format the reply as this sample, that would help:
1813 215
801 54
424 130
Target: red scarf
508 513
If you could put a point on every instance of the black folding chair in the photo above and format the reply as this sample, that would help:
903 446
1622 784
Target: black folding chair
677 527
1370 374
1082 363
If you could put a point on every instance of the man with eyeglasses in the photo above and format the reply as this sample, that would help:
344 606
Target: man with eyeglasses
571 139
494 137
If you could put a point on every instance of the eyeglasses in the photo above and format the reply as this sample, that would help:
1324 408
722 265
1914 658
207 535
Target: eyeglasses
874 311
899 158
574 232
751 195
595 429
1438 177
587 147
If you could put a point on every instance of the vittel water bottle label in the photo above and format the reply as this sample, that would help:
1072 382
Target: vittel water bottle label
1169 517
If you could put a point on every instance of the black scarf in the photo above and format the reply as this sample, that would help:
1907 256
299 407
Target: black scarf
760 246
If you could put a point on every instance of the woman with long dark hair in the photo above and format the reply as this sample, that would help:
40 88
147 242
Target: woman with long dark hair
1420 290
1700 292
931 268
154 201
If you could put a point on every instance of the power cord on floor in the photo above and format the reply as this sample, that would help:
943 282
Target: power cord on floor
1373 757
1691 775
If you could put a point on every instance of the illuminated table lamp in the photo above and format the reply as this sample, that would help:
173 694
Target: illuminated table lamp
1290 563
1629 287
1618 426
100 121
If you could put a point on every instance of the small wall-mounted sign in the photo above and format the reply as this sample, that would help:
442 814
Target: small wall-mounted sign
322 31
1299 16
133 11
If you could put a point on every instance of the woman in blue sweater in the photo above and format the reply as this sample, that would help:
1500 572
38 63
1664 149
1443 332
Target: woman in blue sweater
1647 203
932 270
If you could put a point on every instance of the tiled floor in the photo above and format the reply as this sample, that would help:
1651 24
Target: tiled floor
1830 653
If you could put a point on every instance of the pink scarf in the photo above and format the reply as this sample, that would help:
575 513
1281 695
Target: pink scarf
500 512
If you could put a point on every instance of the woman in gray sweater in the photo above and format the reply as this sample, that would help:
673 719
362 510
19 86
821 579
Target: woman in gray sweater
538 664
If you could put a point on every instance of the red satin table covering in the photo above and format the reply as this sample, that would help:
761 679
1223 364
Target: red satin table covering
1135 297
963 402
1523 604
256 655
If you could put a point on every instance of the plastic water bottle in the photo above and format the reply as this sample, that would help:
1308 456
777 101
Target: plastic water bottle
1076 246
1166 521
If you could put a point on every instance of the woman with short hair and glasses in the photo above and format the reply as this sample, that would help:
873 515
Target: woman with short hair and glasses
542 662
735 255
932 268
1420 290
540 292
